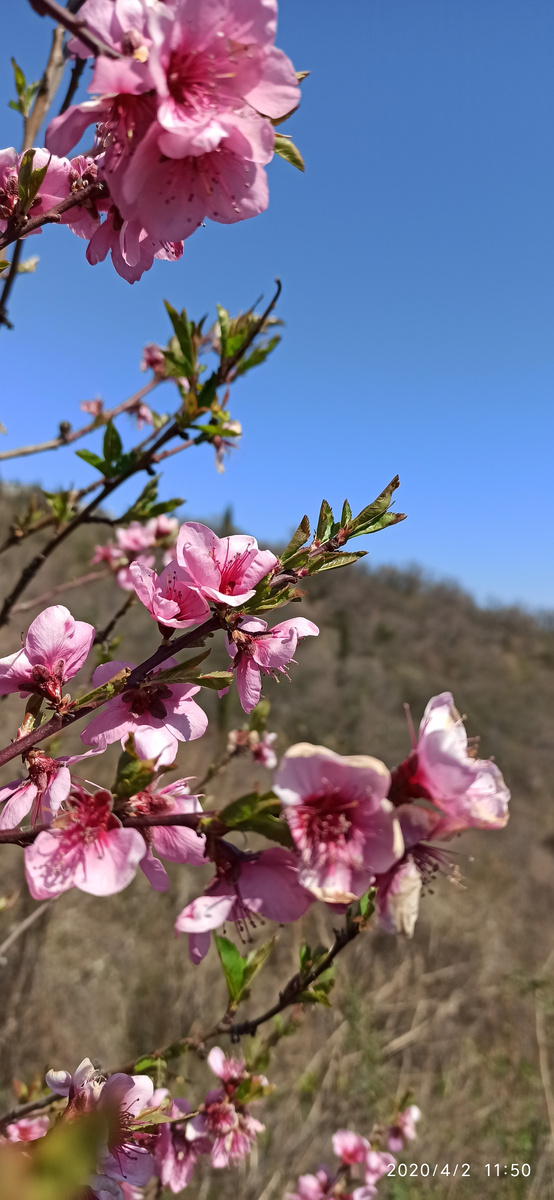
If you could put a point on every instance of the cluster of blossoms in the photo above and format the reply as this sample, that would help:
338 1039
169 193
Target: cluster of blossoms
183 126
352 823
357 1157
132 542
138 1147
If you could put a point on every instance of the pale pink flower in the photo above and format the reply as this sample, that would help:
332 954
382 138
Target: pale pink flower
110 553
44 791
178 1146
54 187
123 575
163 527
223 445
350 1147
246 888
158 715
132 249
127 1158
377 1164
55 648
27 1129
94 407
82 1088
442 768
168 597
153 359
225 570
225 1118
342 825
399 889
255 648
176 843
315 1187
135 537
263 752
404 1128
86 848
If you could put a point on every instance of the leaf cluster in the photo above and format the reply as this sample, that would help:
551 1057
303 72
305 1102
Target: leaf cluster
26 92
239 971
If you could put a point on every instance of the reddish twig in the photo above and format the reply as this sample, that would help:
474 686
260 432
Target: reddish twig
74 25
102 419
57 591
93 191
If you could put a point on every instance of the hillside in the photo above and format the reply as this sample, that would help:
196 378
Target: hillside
452 1015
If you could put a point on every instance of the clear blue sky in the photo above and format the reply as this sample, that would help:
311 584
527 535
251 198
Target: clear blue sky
417 263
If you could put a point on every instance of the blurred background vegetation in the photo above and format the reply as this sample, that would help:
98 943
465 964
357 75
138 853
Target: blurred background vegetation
462 1017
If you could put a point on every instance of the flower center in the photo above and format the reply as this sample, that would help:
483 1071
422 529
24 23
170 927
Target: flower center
324 819
49 682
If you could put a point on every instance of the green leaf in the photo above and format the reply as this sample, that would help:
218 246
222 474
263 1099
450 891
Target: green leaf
233 967
20 81
256 959
346 514
134 774
375 516
246 807
286 149
329 562
112 445
93 460
24 178
223 316
183 333
166 506
181 673
258 355
297 540
216 680
259 715
4 264
149 1062
325 522
367 904
35 182
143 503
253 1089
271 827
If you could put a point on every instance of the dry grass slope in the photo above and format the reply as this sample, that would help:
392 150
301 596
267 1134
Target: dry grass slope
451 1015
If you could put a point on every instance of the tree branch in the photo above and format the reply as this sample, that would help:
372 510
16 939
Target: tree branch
93 191
68 438
75 26
102 635
298 984
24 837
61 587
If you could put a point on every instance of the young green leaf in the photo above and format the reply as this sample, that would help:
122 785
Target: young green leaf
325 522
93 460
256 959
181 326
346 514
112 445
233 967
223 316
297 540
286 149
258 356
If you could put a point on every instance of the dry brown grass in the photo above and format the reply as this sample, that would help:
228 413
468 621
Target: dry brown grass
451 1016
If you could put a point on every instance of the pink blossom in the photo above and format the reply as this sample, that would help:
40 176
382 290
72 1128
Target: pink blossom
404 1128
255 648
225 1118
163 526
263 751
350 1147
84 219
110 553
470 790
143 414
245 888
54 187
178 1146
135 537
260 746
55 648
153 359
342 825
132 249
44 791
127 1157
224 445
82 1088
124 577
176 843
399 889
27 1129
315 1187
377 1164
158 715
225 570
86 848
168 597
94 407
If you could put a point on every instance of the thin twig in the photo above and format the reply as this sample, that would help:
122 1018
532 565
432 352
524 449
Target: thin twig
77 27
102 635
93 191
58 722
16 535
78 68
25 837
67 438
61 587
24 925
23 1110
296 985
